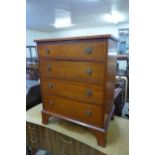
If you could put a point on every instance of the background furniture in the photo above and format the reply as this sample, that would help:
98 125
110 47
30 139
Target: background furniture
123 47
78 80
123 55
118 102
122 75
33 93
32 69
62 137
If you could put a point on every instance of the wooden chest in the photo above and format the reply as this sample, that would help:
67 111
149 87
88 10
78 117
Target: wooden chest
77 78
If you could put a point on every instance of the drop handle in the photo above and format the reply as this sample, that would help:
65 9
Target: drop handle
34 139
88 50
89 71
49 67
50 85
66 141
89 92
88 113
47 50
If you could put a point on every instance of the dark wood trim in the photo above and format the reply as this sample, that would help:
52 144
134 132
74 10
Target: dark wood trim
108 36
71 59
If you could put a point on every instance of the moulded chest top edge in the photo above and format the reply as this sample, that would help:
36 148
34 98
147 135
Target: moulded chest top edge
107 36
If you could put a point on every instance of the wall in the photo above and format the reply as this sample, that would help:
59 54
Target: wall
31 35
89 31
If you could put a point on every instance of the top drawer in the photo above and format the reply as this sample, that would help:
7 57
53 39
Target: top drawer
76 51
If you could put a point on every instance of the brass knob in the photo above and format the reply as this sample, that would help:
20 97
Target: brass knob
49 67
34 139
51 102
88 113
47 50
50 85
89 71
88 50
89 92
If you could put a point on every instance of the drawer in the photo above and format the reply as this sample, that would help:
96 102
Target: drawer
65 145
73 90
80 111
77 71
85 50
32 135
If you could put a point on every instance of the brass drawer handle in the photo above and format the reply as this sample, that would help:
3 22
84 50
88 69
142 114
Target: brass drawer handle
49 67
66 141
34 140
50 85
47 50
89 92
88 50
88 113
89 71
51 102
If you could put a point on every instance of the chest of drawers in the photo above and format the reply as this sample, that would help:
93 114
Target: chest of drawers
77 78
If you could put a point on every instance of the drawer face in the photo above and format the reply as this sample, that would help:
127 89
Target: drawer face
73 90
76 71
85 50
80 111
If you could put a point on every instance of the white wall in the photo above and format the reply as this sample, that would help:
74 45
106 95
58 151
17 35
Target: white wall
113 30
31 35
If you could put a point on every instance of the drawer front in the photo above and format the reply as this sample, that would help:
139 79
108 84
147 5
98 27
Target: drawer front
76 71
83 112
73 90
87 50
65 145
32 135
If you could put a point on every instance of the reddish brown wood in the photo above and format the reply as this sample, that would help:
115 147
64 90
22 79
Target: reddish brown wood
100 136
90 93
110 78
75 71
67 71
84 112
73 51
45 117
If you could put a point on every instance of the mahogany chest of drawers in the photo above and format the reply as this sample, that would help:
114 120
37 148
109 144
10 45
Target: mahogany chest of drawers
77 78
